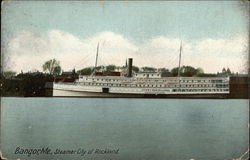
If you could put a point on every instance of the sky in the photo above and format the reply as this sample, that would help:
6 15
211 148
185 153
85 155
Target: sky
214 34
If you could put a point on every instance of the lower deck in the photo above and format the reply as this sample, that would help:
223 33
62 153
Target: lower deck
78 87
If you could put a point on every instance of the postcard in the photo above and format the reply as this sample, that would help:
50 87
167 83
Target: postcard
124 80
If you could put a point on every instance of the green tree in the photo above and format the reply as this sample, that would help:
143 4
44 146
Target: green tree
85 71
224 71
199 71
149 69
110 68
52 66
228 71
135 69
9 74
163 70
119 68
57 70
188 71
98 68
174 71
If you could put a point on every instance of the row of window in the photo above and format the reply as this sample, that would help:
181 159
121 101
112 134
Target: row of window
155 80
147 75
143 85
200 90
173 90
206 85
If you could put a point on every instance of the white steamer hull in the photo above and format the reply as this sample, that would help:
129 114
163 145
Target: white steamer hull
62 90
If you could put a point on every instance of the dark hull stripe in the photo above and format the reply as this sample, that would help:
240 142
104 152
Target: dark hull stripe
126 95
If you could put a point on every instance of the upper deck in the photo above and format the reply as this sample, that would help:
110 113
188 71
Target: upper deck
186 80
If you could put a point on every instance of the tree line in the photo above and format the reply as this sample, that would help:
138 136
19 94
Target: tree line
33 83
52 67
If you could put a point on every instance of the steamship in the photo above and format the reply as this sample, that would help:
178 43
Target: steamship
142 84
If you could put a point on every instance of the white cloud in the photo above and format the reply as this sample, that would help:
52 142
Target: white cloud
28 51
221 47
214 54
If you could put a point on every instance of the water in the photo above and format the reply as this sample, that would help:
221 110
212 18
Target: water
142 129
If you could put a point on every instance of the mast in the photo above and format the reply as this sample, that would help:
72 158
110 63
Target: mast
97 50
179 69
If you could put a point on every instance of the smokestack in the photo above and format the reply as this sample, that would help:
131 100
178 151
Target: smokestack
130 63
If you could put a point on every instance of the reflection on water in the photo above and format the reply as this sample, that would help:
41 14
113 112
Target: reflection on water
142 129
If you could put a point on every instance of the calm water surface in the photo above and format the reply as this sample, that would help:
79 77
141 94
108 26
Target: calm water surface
142 129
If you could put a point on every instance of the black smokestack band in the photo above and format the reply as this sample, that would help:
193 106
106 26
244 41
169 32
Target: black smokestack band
130 63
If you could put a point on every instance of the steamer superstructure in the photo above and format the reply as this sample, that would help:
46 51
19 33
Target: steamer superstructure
143 84
105 86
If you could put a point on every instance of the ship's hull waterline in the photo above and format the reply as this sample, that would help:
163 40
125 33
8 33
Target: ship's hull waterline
72 93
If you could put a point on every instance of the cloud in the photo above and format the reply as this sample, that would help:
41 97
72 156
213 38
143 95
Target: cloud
214 54
28 51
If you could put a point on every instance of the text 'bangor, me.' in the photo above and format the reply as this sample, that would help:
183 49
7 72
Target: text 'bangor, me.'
58 151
